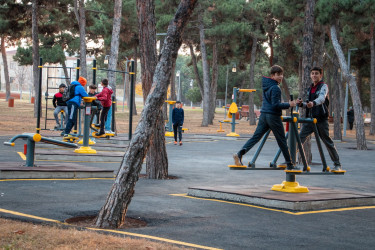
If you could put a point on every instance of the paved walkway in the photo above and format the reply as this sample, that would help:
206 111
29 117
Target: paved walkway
202 223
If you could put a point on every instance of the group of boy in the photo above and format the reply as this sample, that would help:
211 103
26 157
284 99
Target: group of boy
103 101
317 107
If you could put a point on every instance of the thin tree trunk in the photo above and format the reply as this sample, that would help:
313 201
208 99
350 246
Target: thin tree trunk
337 135
306 64
35 53
196 72
270 43
79 11
206 74
372 80
300 77
112 63
173 84
113 213
213 93
357 105
135 77
66 74
6 69
252 116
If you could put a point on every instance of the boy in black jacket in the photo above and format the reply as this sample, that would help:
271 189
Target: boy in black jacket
178 121
270 117
59 105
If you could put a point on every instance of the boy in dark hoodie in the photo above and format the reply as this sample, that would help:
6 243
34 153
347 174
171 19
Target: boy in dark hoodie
270 117
59 105
177 121
74 103
105 97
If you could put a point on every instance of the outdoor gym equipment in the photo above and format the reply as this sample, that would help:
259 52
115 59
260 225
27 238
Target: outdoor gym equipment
233 109
31 138
132 83
86 149
290 185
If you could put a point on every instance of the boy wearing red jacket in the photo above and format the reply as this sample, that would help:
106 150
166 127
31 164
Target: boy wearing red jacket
105 98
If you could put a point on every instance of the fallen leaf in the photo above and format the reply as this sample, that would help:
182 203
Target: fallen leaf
19 232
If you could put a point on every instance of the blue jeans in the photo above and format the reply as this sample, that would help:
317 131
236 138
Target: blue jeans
267 122
72 113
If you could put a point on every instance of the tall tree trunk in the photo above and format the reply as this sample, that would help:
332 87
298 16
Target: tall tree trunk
156 161
337 135
113 213
206 74
213 93
79 11
135 77
195 68
372 80
112 63
6 69
252 116
357 105
300 77
307 62
66 74
270 43
35 53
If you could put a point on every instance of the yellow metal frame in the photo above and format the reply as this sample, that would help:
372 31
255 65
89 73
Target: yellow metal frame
169 134
233 134
85 150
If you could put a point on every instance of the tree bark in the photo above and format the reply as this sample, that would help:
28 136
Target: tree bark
372 80
252 116
156 160
79 11
67 80
196 72
113 57
173 84
270 43
35 53
206 74
114 210
213 93
357 105
337 135
6 69
306 63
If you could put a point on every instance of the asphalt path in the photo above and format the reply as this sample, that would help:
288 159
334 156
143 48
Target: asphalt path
202 161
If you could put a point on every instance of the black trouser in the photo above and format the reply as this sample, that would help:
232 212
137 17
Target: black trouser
351 125
72 113
177 127
103 118
323 130
267 122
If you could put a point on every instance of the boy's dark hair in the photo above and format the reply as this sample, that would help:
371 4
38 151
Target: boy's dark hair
276 69
92 86
178 102
317 69
105 81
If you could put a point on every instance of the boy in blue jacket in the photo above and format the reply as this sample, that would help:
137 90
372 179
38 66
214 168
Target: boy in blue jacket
270 117
178 121
74 103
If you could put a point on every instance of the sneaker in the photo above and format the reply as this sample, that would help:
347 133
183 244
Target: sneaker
237 160
175 143
57 126
337 168
99 133
292 167
180 143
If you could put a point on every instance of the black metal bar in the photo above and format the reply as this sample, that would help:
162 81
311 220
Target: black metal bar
317 138
113 124
252 162
94 72
39 96
57 67
300 148
132 73
55 77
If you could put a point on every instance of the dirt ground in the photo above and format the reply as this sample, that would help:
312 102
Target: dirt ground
19 119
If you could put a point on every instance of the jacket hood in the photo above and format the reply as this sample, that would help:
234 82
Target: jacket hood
110 90
75 83
268 82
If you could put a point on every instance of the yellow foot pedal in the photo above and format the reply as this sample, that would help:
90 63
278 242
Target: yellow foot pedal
290 187
293 171
338 171
283 166
236 167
